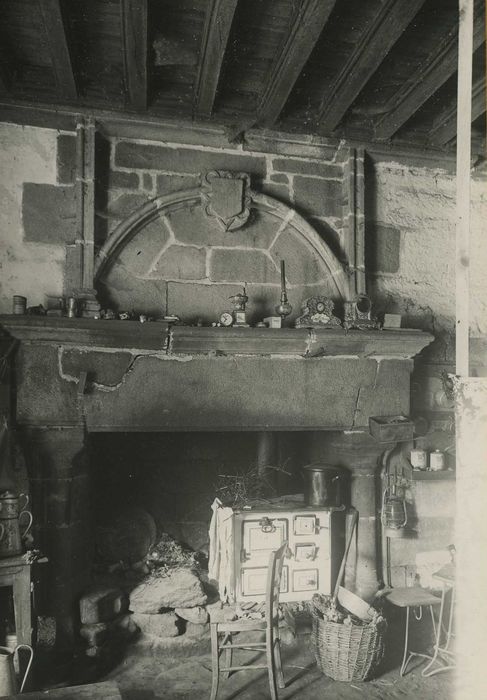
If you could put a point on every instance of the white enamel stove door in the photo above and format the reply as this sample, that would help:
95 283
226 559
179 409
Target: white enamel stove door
310 546
307 571
257 535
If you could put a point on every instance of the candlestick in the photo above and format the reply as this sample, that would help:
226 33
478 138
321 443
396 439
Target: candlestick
283 276
284 308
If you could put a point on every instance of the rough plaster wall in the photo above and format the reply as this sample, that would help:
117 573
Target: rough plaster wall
27 154
471 533
478 260
420 204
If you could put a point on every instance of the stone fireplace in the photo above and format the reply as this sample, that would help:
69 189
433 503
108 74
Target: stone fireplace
82 383
85 387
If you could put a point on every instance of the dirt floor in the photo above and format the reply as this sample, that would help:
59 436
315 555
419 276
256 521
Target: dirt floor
179 671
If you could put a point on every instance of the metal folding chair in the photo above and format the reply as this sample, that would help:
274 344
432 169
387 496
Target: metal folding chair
413 597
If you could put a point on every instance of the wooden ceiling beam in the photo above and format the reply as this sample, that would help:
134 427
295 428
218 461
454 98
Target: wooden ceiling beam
153 127
134 42
439 66
216 30
377 39
305 31
57 41
444 128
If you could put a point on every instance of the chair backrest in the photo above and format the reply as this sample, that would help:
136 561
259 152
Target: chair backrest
274 573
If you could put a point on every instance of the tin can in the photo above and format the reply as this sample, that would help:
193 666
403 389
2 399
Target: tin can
19 304
437 461
72 307
418 459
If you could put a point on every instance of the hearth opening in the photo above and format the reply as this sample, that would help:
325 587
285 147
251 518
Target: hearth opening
148 488
155 533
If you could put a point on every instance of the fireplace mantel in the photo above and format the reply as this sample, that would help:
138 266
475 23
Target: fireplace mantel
129 376
190 340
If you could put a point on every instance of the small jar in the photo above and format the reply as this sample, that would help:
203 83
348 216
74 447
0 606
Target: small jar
19 305
418 459
437 461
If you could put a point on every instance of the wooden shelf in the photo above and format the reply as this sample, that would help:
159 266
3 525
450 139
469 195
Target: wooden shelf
442 475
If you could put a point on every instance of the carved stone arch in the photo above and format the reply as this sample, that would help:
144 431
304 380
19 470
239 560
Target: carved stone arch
287 223
140 217
302 227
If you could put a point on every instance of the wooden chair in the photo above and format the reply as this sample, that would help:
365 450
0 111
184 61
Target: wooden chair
269 625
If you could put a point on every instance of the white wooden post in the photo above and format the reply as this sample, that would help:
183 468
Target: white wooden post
464 125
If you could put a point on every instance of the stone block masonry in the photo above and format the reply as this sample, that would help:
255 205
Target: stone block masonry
100 605
42 212
49 213
186 261
383 249
129 154
66 159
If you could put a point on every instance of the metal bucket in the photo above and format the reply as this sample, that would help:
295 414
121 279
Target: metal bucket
322 485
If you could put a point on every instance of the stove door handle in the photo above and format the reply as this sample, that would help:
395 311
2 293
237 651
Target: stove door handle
266 525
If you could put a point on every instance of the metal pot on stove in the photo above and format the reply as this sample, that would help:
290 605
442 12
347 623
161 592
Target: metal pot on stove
323 485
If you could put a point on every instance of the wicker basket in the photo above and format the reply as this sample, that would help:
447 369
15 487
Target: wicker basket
347 652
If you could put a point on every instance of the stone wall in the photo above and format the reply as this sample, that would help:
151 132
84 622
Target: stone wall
409 240
141 170
430 507
410 216
183 262
32 233
410 251
40 173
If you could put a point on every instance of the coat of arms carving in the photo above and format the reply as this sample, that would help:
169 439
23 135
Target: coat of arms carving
226 197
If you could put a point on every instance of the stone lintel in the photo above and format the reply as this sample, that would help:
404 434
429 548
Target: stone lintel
86 332
190 340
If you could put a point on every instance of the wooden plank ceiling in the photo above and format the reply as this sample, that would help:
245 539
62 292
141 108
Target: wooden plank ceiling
378 71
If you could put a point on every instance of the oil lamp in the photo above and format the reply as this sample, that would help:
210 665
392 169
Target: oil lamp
394 514
284 308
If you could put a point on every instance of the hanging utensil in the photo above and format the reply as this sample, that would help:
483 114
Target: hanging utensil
341 571
348 600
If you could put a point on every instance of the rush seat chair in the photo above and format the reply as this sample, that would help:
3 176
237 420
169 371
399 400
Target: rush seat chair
222 634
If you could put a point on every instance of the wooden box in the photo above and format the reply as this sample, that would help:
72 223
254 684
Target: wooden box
391 428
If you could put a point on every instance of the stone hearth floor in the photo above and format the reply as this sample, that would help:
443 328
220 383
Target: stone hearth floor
150 672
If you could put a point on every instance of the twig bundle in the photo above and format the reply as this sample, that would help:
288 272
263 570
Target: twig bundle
236 490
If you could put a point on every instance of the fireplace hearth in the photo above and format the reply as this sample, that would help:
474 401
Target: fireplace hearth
81 382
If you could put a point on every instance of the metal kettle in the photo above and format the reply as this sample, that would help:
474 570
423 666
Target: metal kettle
322 485
8 679
11 514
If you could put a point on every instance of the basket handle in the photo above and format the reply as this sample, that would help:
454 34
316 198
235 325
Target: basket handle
341 571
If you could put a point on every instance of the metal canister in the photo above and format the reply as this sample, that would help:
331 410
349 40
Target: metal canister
19 304
437 461
72 307
418 459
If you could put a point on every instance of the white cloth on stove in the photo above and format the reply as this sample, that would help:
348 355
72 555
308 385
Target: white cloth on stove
220 564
